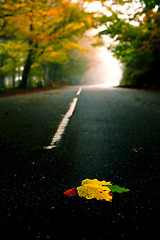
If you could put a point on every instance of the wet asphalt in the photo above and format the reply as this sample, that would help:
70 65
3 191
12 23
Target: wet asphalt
113 135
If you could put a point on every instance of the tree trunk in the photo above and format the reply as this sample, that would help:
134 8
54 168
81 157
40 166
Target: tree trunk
45 73
29 62
2 76
55 72
27 69
2 81
13 80
156 61
156 66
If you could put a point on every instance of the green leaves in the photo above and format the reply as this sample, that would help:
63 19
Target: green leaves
116 188
150 4
136 41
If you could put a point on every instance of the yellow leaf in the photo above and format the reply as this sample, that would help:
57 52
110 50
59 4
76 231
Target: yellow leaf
135 150
73 45
95 189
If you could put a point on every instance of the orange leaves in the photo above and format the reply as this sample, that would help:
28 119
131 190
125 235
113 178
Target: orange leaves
53 12
92 188
71 192
72 45
47 29
45 39
47 19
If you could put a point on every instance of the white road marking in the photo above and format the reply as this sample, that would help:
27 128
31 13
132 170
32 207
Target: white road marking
57 137
79 91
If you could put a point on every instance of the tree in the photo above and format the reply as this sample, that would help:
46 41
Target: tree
136 45
150 4
46 30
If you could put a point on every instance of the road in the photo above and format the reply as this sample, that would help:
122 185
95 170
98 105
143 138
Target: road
113 135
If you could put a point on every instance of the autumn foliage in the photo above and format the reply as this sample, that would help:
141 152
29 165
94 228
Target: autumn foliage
35 33
92 188
71 192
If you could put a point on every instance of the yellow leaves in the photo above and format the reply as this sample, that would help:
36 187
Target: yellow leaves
53 12
36 65
18 20
73 45
51 53
73 26
50 29
136 149
95 189
92 188
49 49
53 56
9 6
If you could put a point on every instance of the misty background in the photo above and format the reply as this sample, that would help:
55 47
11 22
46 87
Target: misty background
104 67
94 65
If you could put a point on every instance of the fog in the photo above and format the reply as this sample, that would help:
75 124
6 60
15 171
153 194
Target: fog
104 68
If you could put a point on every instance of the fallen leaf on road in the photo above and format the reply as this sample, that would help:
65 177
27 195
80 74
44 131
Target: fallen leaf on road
71 192
95 189
92 188
116 188
136 149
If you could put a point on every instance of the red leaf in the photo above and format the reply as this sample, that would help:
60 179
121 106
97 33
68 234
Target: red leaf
71 192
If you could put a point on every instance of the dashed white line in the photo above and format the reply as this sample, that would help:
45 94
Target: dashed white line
57 137
79 91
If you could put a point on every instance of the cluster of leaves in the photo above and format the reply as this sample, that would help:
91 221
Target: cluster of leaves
137 45
37 34
150 4
92 188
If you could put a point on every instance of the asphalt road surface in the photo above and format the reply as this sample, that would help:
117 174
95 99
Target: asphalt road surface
113 135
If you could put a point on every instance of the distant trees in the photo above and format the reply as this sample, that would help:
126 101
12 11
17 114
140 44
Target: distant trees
39 40
137 43
36 37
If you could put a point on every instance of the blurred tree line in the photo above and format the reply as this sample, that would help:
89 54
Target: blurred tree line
39 42
136 41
